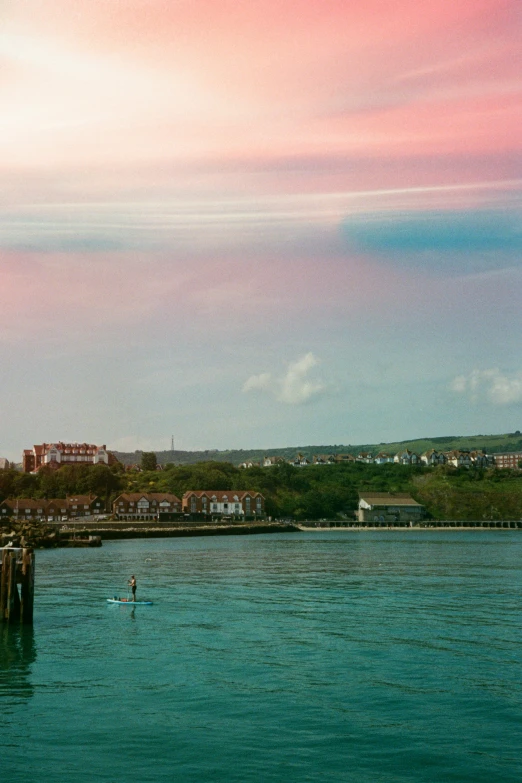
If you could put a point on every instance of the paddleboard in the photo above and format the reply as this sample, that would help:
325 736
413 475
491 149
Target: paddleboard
128 601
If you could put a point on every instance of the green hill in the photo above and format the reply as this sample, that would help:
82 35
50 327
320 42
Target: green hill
490 443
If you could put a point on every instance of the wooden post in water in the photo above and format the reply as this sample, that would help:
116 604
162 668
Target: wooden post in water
17 569
27 591
3 583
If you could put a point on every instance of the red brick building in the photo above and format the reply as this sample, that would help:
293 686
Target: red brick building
145 506
510 459
55 509
232 503
55 455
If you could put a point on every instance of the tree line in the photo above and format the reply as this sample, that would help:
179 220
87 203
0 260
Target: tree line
311 492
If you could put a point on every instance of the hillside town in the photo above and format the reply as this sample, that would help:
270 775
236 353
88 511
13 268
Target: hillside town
136 499
59 454
461 458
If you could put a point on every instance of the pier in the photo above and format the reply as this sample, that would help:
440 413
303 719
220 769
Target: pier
17 585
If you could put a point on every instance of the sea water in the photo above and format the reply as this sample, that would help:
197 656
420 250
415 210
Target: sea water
370 656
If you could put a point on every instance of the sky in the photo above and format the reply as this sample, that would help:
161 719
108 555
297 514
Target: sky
259 224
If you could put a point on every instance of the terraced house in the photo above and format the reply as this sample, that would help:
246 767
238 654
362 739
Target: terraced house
229 503
52 510
145 506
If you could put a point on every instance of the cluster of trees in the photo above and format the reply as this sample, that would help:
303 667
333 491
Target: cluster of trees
312 492
97 480
470 494
315 491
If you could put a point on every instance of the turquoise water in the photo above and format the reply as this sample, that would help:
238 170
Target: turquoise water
325 656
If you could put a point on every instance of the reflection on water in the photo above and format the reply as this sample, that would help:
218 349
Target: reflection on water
17 654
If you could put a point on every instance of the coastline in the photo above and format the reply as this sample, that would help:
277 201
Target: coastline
417 529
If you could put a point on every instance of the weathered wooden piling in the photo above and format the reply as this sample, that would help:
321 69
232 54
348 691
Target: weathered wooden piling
17 585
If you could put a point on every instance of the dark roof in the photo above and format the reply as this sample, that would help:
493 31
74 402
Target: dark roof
387 499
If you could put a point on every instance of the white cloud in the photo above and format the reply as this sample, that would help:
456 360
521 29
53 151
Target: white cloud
459 384
492 385
295 387
262 381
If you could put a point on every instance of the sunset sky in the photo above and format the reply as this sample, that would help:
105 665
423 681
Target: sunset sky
259 224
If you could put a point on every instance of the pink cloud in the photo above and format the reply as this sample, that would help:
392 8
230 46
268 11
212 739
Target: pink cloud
147 83
108 294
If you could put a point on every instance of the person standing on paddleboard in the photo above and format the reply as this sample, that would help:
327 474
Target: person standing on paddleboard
132 583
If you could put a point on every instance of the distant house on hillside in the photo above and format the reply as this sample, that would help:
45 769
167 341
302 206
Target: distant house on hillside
299 461
433 457
386 508
323 459
382 458
268 462
508 459
459 459
481 460
406 457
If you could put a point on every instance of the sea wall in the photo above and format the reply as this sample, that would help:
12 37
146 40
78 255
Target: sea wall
114 530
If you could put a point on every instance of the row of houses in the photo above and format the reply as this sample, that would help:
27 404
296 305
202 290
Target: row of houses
379 507
54 509
229 503
457 458
141 506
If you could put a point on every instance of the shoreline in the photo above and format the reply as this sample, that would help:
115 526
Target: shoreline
423 529
80 535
